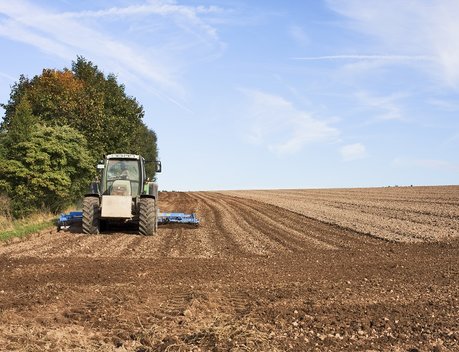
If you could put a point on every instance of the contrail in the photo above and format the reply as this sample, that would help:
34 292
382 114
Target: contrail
366 57
7 76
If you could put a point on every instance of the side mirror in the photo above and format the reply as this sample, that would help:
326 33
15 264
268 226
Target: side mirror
100 166
158 166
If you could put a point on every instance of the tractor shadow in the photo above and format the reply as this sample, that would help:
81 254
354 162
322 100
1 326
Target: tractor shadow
106 229
129 229
116 229
73 228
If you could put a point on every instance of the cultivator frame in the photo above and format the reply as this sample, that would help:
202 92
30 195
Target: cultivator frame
76 217
177 218
66 220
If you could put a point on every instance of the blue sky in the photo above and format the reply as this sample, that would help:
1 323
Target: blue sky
266 94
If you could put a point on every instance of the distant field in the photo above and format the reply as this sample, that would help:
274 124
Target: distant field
402 214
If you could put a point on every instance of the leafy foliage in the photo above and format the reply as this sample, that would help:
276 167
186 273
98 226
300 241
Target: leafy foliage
147 147
55 128
50 170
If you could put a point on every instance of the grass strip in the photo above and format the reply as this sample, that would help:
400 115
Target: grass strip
24 230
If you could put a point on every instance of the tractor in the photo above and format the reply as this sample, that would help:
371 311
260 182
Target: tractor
122 194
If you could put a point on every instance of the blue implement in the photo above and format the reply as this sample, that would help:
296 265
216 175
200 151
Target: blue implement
177 218
76 217
66 220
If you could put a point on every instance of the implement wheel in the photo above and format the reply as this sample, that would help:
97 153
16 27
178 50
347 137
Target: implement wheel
91 215
147 216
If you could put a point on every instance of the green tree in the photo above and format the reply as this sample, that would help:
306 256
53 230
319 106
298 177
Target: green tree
148 148
21 126
87 100
118 122
50 170
18 90
45 120
3 148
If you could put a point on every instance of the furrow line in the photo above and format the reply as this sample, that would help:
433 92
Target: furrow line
304 226
275 229
222 241
242 232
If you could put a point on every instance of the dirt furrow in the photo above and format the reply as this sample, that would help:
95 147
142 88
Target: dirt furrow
365 215
252 276
333 235
328 215
248 238
221 243
270 223
307 229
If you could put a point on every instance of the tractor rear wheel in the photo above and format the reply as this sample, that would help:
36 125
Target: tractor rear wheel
91 215
147 216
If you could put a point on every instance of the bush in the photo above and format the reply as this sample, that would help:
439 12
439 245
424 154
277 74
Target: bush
49 171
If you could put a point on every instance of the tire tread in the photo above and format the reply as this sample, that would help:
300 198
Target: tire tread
91 215
147 216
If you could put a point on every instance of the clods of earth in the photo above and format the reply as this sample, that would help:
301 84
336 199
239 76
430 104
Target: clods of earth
329 270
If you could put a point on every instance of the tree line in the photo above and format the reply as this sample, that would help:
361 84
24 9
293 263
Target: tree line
55 128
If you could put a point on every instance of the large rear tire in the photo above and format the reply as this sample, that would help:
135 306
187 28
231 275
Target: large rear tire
91 215
147 216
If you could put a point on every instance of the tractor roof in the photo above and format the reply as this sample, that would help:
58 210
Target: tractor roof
123 156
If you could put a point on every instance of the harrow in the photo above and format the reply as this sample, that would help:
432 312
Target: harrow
66 220
76 217
177 218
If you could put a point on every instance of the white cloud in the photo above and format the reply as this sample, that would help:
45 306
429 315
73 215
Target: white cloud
182 14
382 107
434 164
282 128
156 68
413 28
353 152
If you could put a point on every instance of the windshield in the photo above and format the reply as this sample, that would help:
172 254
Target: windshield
123 170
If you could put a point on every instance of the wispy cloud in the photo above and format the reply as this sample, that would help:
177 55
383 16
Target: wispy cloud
434 164
66 35
353 151
278 125
445 105
418 29
298 34
453 139
7 77
151 7
184 15
391 58
383 108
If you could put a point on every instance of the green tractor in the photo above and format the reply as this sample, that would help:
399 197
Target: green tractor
124 194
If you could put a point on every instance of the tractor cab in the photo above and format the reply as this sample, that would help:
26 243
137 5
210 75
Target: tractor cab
122 175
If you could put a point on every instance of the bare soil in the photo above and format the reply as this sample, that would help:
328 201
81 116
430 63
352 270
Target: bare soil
253 276
403 214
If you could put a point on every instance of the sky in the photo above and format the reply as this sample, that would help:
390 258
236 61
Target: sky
266 94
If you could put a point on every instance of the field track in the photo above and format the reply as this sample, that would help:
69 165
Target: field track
260 273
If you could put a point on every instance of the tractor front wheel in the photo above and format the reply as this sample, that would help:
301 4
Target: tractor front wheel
91 215
147 216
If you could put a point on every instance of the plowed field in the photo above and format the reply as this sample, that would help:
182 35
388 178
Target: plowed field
403 214
260 273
